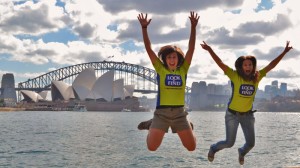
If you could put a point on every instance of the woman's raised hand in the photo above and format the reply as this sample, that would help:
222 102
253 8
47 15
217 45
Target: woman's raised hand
194 18
143 20
287 47
205 46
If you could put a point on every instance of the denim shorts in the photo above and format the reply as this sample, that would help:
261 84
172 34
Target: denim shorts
174 117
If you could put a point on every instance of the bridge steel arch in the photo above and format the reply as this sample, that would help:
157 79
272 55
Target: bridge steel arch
43 82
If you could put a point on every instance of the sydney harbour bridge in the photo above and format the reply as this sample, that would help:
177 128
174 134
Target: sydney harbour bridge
143 78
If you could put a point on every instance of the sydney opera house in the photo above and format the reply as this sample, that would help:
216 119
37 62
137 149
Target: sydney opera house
96 93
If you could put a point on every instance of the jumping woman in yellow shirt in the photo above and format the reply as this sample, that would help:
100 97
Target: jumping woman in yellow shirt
172 67
244 82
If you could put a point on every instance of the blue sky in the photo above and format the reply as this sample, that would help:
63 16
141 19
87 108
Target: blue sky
40 36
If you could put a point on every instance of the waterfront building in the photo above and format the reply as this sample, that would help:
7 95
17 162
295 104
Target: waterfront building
61 91
30 96
85 87
283 89
97 94
8 91
275 83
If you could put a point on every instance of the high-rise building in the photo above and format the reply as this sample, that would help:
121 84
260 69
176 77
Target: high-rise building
275 83
283 89
8 91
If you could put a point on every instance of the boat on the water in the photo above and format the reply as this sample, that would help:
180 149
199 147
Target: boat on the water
125 110
79 107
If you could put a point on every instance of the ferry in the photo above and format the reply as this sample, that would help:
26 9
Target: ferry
79 107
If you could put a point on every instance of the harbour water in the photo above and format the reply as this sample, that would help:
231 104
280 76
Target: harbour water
111 139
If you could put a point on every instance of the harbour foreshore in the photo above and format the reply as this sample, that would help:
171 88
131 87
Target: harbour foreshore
11 109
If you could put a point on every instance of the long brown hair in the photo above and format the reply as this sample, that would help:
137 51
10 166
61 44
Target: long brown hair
166 50
239 68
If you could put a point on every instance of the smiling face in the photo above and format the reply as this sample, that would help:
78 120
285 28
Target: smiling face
171 56
247 67
172 61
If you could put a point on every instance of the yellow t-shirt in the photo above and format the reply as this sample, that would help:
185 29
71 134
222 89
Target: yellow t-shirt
171 84
243 92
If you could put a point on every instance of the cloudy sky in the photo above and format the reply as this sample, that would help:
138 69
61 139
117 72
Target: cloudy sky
38 36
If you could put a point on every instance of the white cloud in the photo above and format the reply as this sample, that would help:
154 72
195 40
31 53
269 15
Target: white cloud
31 18
90 20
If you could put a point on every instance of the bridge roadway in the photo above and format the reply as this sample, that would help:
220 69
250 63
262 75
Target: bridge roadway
43 89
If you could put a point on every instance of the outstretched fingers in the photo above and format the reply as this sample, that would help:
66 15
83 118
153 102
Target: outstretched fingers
287 44
287 47
194 15
143 19
194 18
205 46
141 16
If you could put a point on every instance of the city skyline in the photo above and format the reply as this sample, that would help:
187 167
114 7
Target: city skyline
40 36
274 89
260 87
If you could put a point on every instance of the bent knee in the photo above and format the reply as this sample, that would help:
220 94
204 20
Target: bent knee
190 146
229 144
251 145
152 147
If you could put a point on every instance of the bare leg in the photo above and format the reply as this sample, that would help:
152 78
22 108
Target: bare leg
188 139
154 138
